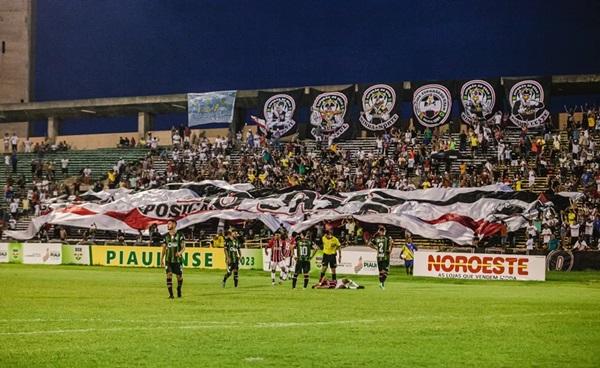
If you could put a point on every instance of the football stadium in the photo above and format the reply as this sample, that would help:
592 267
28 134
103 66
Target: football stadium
300 183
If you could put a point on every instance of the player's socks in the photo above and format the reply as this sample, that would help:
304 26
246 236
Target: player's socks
272 278
333 276
179 285
294 280
321 277
305 281
235 279
170 287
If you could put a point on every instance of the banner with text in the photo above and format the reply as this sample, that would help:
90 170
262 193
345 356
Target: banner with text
126 256
329 114
432 103
279 112
528 99
4 253
42 253
380 106
475 266
211 107
480 100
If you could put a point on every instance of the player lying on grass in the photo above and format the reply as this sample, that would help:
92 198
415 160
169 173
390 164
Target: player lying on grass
337 284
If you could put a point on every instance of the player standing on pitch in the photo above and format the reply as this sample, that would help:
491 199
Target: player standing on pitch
383 245
232 256
171 256
304 252
331 246
278 248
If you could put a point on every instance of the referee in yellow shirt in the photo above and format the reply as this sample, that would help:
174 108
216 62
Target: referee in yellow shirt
331 246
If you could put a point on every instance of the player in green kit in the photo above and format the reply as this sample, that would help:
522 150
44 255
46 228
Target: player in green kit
305 250
232 256
171 256
383 245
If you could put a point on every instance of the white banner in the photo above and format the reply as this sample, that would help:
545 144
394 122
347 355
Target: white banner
476 266
358 261
42 253
3 252
395 259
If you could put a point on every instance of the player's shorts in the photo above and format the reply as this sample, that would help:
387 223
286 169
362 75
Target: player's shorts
233 266
383 265
281 264
174 267
329 260
408 263
302 267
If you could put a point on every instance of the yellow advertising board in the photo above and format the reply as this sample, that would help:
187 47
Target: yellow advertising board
126 256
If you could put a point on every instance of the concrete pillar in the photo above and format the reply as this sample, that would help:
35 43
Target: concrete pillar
53 128
145 123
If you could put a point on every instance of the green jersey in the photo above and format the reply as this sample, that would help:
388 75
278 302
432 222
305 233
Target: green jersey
303 249
383 245
232 247
174 244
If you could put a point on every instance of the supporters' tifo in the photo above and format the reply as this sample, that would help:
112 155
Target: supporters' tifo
272 183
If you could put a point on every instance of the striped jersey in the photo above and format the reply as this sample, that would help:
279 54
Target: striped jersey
383 245
174 244
278 250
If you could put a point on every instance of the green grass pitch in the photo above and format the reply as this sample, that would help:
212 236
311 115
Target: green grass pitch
68 316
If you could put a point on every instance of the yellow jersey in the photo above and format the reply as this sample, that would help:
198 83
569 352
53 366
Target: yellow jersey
330 246
218 242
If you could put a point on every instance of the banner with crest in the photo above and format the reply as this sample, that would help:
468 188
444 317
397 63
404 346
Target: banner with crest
480 100
330 114
432 103
528 99
380 105
279 112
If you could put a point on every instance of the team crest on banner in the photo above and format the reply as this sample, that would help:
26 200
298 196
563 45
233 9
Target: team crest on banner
279 113
378 103
328 111
432 104
478 98
527 104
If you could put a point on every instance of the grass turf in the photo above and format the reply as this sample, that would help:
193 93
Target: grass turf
68 316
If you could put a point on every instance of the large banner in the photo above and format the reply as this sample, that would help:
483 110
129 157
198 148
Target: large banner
279 112
211 107
380 105
76 254
458 214
480 100
528 99
432 103
329 115
126 256
42 253
475 266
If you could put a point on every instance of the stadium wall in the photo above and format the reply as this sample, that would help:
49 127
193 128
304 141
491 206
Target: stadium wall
116 48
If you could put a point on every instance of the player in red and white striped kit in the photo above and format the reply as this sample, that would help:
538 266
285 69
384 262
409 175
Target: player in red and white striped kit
279 249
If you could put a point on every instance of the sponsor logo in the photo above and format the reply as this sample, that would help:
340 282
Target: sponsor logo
78 253
490 265
432 104
15 254
478 99
527 104
560 260
378 103
328 111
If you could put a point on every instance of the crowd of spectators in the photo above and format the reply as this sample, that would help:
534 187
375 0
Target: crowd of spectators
404 159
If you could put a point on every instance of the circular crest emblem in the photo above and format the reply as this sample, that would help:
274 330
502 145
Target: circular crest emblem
478 99
432 104
527 104
378 103
278 112
328 111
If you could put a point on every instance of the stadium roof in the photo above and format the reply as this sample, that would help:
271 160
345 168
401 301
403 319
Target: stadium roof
177 103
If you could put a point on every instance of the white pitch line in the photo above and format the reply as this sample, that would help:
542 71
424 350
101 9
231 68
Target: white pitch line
190 327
